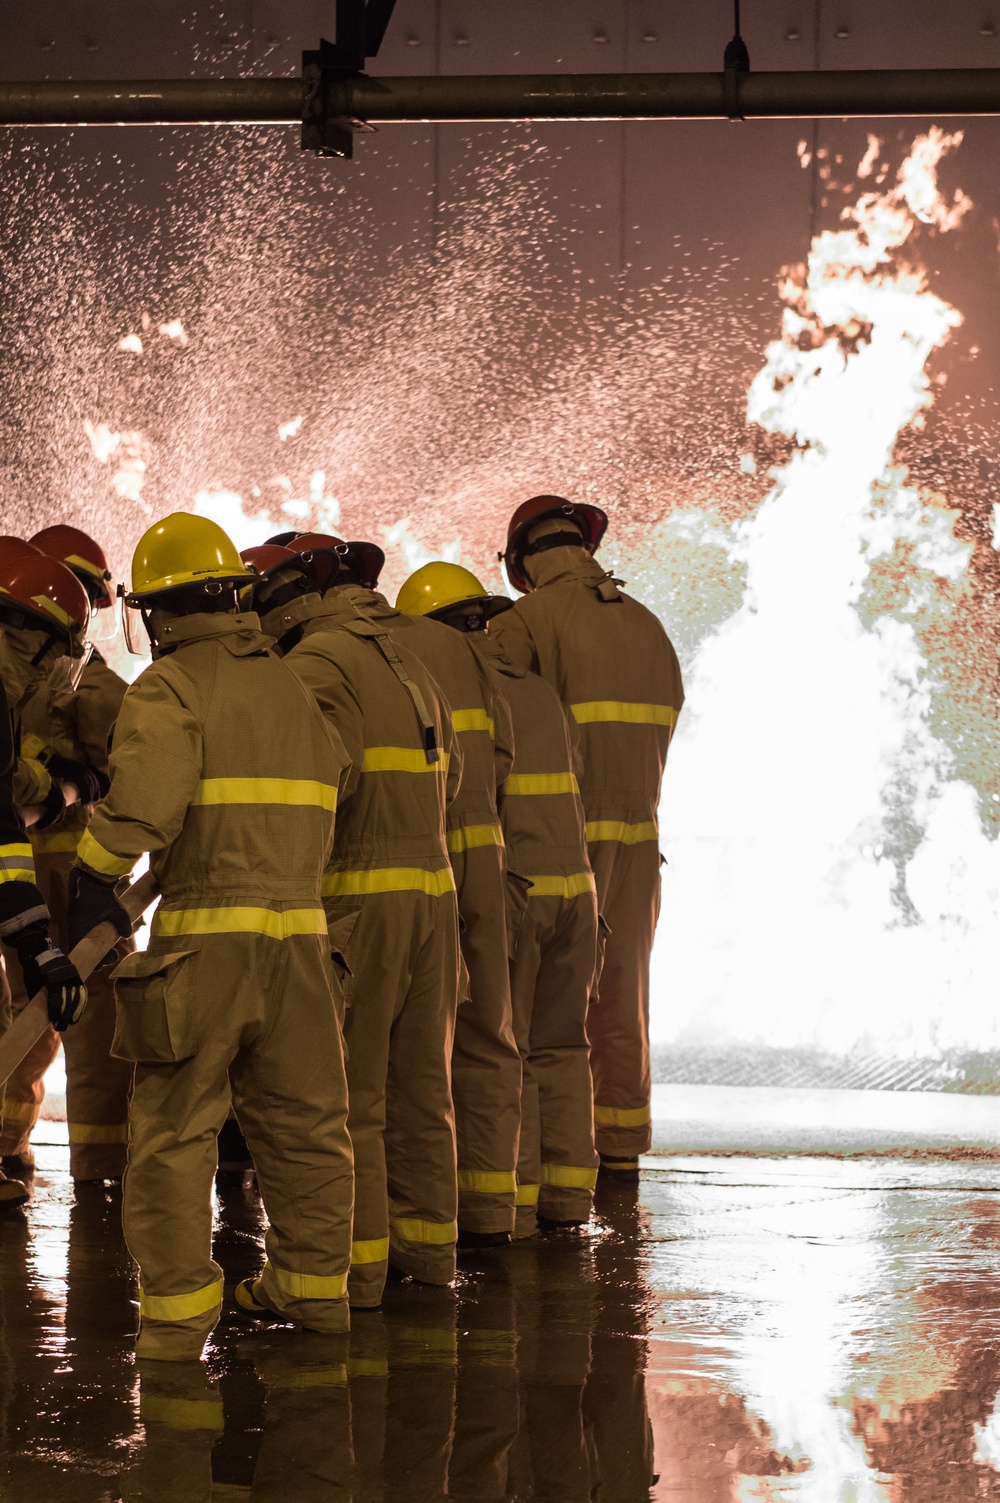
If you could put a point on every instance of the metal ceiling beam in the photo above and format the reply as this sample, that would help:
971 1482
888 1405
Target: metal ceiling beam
584 96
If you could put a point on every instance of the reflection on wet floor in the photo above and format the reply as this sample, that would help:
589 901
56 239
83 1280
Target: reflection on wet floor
746 1329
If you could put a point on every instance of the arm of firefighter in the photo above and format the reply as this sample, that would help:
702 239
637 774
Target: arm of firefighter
95 707
510 631
452 748
21 903
339 704
155 768
32 780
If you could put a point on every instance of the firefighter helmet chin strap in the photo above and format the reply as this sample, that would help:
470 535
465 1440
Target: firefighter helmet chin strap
572 539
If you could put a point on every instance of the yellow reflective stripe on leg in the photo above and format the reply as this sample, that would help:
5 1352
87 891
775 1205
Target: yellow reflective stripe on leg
401 759
562 887
94 1132
18 1111
283 924
541 782
623 712
485 1182
181 1414
297 791
388 879
472 720
624 833
434 1233
470 837
180 1306
618 1116
568 1178
17 862
94 855
309 1285
527 1195
376 1250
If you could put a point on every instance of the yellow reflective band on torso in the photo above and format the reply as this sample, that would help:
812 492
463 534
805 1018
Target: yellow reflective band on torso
96 1132
296 791
63 844
472 720
17 862
309 1285
562 887
487 1182
621 712
435 1233
469 837
568 1178
365 883
618 1116
180 1306
527 1195
624 833
541 782
94 855
374 1251
268 921
401 759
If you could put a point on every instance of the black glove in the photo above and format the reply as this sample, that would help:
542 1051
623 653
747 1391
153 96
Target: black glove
53 807
88 782
47 969
91 902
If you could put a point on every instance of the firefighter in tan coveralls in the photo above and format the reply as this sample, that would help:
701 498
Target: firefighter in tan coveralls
553 936
224 771
390 899
65 735
612 664
486 1065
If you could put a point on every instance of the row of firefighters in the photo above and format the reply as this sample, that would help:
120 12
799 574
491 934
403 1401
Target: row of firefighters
408 871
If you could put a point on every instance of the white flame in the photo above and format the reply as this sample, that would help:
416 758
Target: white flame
131 451
131 344
782 905
289 429
174 331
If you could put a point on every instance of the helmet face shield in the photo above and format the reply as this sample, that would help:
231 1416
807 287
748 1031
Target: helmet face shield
67 671
137 638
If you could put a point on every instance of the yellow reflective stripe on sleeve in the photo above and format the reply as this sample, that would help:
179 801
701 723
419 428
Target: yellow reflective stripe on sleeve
64 843
94 855
388 879
541 782
19 1111
618 829
180 1306
621 712
94 1132
268 921
527 1195
309 1285
568 1178
17 862
471 837
401 759
376 1250
181 1414
32 746
298 791
562 887
435 1233
617 1116
486 1182
472 720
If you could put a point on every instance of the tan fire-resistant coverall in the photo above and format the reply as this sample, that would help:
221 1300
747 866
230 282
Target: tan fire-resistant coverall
223 770
611 662
486 1065
390 901
554 950
76 725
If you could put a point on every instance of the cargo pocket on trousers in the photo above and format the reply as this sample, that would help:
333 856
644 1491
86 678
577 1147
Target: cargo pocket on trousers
516 906
154 1009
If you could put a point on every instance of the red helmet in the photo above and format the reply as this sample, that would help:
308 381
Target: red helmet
267 557
321 552
12 549
78 551
365 560
591 521
46 593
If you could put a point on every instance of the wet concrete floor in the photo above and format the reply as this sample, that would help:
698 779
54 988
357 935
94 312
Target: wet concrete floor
743 1329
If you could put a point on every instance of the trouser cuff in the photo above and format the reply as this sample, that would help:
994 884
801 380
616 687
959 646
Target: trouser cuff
330 1316
559 1203
434 1265
479 1213
97 1160
167 1341
623 1142
525 1223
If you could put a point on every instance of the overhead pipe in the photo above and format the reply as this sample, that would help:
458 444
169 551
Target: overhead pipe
868 94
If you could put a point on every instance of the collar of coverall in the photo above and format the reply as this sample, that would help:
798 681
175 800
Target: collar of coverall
20 674
240 634
344 603
559 564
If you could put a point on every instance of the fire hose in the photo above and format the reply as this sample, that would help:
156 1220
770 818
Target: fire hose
33 1020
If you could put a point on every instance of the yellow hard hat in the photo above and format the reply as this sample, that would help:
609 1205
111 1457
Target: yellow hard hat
183 550
438 586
